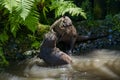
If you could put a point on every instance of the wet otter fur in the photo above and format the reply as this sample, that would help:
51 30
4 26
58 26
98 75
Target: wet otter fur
50 53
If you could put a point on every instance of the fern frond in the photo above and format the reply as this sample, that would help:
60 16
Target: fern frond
31 21
61 7
21 12
74 11
9 4
25 6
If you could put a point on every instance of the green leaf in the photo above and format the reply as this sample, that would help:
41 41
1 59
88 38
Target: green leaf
10 4
74 11
14 29
32 21
36 44
25 6
61 7
44 12
2 60
3 37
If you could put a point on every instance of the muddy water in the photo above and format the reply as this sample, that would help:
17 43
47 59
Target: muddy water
97 65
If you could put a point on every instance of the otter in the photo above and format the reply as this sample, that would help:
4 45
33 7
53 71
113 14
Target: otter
66 33
50 53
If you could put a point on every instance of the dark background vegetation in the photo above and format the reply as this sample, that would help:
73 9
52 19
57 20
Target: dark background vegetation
23 24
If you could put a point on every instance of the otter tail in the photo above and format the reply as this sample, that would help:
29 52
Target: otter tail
87 38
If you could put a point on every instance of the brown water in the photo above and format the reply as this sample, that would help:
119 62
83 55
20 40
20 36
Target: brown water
97 65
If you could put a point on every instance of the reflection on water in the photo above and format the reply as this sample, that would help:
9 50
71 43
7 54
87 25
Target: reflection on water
97 65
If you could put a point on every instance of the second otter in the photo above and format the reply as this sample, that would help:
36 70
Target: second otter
50 53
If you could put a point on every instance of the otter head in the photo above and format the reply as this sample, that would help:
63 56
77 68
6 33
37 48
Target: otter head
66 21
50 39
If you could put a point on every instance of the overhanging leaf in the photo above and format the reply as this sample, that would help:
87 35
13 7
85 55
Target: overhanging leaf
25 7
61 7
10 4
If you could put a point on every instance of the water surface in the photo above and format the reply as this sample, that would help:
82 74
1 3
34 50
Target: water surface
97 65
